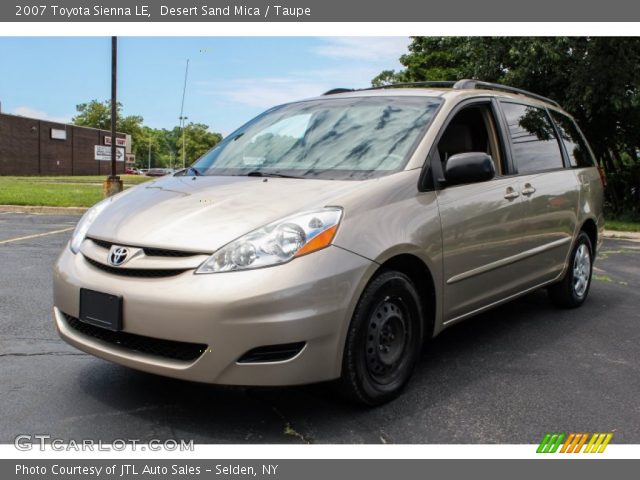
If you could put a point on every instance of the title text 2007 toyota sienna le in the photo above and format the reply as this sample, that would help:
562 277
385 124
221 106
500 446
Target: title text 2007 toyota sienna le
328 238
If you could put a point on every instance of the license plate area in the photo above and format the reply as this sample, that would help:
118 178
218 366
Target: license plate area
101 309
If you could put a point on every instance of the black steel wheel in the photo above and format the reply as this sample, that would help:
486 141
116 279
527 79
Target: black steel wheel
384 340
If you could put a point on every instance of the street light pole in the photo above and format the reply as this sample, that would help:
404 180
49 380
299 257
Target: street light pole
184 146
182 117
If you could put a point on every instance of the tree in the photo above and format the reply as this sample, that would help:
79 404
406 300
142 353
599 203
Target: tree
94 114
162 146
596 79
97 114
198 140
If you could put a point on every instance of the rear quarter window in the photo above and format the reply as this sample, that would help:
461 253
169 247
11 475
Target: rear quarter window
533 138
575 144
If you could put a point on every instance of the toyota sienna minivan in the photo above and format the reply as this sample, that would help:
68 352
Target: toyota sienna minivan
328 239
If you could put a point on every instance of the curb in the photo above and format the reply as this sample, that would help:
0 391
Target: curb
622 235
40 210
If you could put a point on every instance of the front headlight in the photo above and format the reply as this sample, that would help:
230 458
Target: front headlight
85 222
277 243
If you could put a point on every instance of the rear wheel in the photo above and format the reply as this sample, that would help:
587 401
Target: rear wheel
572 290
384 340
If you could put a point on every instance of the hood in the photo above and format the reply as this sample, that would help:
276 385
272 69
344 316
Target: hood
205 213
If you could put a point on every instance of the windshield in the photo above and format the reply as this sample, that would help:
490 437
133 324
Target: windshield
340 138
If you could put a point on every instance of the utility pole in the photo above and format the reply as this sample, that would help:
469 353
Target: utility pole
113 184
149 157
114 104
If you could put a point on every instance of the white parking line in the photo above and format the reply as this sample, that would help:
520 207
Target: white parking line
17 239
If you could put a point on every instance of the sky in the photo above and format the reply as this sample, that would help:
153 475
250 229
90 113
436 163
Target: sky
230 79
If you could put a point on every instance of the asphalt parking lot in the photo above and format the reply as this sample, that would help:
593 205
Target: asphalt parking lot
507 376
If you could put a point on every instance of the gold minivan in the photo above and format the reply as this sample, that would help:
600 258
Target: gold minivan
328 238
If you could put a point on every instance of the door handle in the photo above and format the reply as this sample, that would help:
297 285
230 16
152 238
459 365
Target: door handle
511 194
528 189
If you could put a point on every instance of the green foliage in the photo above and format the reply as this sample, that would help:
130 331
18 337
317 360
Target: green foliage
596 79
623 226
95 114
161 146
197 141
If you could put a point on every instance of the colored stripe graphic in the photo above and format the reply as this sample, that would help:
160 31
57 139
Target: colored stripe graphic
607 439
591 442
550 443
601 442
543 443
581 442
573 442
557 443
569 442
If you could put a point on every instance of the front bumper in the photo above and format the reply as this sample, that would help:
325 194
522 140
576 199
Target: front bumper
309 299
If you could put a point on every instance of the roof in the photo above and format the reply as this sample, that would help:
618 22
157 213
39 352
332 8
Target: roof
62 124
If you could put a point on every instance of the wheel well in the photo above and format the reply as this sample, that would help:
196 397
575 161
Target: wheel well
589 227
414 268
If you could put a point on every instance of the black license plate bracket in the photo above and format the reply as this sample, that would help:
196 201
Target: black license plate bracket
101 309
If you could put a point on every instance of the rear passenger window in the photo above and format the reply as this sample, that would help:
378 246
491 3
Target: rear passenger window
574 142
535 146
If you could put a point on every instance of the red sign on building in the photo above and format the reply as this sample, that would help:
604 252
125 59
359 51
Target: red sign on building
120 142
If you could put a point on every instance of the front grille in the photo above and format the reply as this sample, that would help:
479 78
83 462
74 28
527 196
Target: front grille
139 343
136 272
159 252
149 251
272 353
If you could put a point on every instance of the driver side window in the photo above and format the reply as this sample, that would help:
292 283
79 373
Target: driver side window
472 129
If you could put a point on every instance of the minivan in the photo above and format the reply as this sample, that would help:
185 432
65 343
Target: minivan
328 239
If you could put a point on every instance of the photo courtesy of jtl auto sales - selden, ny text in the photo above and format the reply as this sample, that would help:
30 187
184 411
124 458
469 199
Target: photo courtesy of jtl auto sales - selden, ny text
318 240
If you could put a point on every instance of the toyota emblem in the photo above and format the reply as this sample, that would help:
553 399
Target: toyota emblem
118 255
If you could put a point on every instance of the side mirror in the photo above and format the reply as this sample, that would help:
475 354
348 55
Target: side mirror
470 167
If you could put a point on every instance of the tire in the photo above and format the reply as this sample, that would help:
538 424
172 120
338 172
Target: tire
384 340
572 290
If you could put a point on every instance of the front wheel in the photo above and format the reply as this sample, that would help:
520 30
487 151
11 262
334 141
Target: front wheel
384 340
572 290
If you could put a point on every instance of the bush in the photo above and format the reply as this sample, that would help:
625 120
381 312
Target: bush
622 200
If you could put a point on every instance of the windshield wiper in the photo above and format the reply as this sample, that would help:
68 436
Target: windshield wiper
194 170
260 173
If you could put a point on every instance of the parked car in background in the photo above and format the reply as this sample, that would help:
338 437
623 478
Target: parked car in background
326 239
132 171
157 172
143 171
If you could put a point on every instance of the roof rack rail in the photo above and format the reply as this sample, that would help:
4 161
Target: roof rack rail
459 85
432 83
428 83
472 84
333 91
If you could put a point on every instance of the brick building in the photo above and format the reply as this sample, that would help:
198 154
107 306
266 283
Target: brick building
40 147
